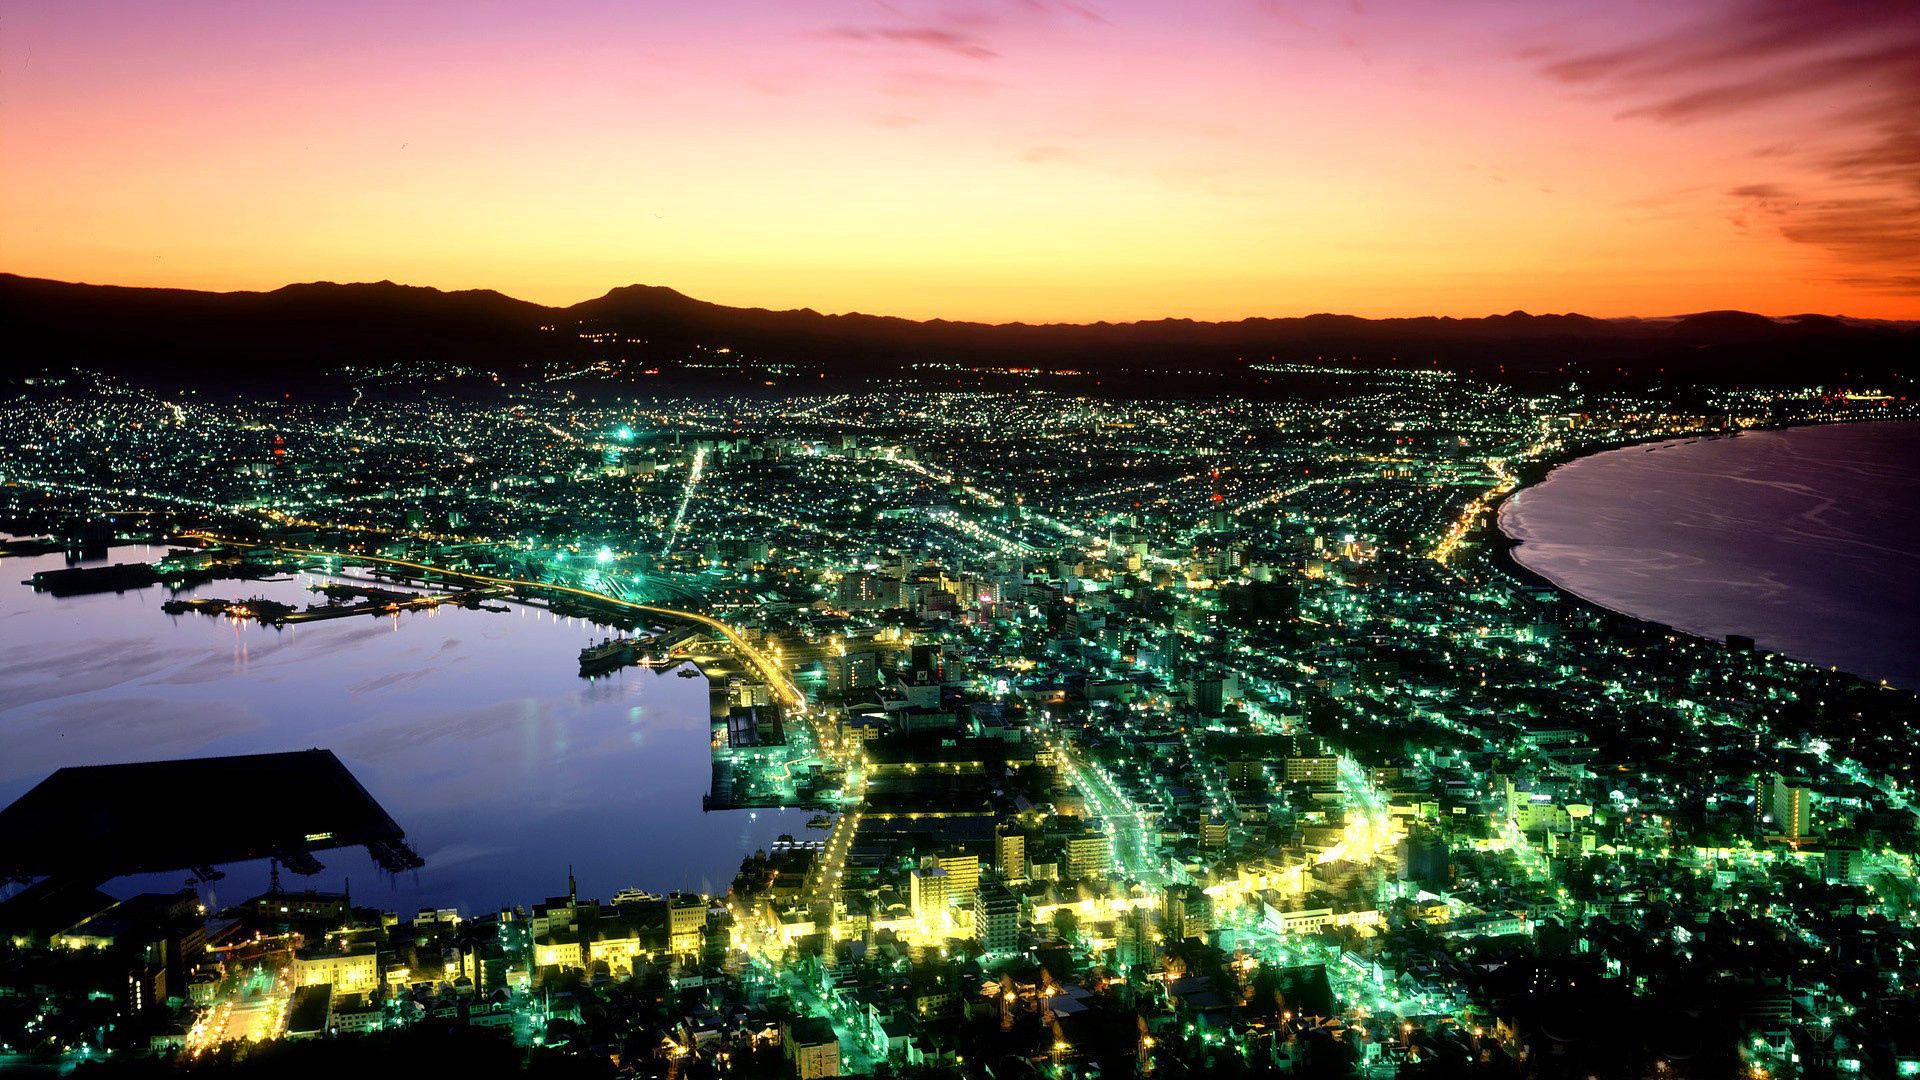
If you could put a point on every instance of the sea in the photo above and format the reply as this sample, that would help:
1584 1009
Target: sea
472 728
1806 539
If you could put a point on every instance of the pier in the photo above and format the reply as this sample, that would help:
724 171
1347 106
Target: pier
93 823
373 601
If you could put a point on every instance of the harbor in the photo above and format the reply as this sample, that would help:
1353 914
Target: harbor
470 722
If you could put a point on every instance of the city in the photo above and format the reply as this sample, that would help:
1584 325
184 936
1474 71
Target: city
1205 736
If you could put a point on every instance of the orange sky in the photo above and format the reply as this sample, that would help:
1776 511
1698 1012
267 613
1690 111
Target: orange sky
989 159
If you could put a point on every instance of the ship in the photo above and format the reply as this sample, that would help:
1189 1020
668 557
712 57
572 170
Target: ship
607 655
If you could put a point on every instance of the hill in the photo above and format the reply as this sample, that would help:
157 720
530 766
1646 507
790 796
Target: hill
300 329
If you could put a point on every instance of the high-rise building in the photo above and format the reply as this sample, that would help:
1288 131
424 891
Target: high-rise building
1213 691
999 918
1010 854
927 892
1189 912
928 663
963 877
1847 865
1424 859
1133 938
1787 803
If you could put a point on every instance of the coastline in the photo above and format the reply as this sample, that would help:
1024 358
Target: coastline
1500 547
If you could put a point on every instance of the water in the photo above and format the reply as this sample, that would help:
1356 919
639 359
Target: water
1806 540
472 728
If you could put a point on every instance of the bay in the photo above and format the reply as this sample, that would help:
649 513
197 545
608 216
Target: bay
1805 539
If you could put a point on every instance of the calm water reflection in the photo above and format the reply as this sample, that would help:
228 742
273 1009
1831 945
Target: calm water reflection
471 727
1807 540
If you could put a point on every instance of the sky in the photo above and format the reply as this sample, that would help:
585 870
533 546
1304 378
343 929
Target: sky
1035 160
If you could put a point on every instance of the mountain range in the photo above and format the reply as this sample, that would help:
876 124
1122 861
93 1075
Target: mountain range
192 336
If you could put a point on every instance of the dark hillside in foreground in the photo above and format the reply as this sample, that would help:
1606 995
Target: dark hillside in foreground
305 329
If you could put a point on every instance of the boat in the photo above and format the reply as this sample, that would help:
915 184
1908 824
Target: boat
688 672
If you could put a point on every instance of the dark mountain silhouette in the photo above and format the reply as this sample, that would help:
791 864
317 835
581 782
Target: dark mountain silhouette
192 336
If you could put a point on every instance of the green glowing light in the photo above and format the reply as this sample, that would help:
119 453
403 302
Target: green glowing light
604 555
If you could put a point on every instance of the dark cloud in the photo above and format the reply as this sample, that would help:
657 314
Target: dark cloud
1856 61
1884 230
1085 11
965 28
933 37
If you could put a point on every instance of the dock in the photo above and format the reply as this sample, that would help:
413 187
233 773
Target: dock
653 649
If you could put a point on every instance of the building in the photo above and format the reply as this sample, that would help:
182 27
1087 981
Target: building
351 967
1848 865
1785 806
999 919
686 922
1189 912
330 908
560 952
1424 859
927 890
1320 771
1010 855
963 877
1089 855
1214 691
812 1047
852 671
1213 832
310 1012
1133 939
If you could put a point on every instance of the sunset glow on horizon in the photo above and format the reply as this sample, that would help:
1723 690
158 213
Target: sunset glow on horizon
1066 160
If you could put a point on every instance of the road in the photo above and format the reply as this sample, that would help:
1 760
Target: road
1125 826
686 498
